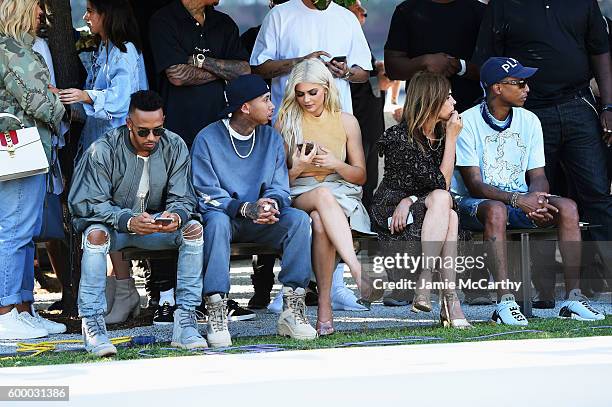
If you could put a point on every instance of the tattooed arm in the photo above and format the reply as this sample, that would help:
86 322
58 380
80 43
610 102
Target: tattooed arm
225 68
212 69
188 75
271 69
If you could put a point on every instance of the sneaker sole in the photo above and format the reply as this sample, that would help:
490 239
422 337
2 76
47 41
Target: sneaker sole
105 352
219 345
284 331
579 318
191 346
234 318
163 323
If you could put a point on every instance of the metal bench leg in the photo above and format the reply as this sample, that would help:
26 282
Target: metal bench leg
526 274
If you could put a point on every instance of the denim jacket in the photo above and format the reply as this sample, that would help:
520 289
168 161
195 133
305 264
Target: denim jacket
112 76
24 92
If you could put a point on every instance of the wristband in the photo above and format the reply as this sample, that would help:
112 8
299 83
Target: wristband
513 199
129 222
413 199
463 68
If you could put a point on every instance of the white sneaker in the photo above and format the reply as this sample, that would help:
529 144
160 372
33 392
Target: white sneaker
50 326
508 312
292 321
276 306
343 298
14 327
217 332
577 307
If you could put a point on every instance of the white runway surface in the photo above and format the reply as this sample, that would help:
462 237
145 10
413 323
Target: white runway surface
556 372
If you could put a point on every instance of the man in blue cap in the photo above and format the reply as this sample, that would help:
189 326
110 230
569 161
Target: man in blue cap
501 183
240 176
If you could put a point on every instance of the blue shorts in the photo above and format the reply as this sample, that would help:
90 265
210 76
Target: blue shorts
467 208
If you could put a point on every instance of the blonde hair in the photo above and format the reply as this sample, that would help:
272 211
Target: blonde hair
17 18
291 113
425 98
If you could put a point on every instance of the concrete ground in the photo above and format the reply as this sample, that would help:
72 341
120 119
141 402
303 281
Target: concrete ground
544 372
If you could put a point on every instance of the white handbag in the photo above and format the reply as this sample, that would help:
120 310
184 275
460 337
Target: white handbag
21 152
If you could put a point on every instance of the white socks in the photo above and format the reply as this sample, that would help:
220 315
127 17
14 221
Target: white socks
167 296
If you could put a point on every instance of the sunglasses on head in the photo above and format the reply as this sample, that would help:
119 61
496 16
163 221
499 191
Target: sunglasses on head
520 83
144 132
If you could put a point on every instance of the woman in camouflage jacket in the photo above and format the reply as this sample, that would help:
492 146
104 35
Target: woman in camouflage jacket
25 93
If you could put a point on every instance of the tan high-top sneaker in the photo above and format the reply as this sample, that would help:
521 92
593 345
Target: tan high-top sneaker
217 332
292 321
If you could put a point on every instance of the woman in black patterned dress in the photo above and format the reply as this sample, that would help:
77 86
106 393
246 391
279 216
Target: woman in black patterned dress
419 162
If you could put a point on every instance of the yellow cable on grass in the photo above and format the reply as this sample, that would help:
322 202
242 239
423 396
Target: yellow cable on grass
42 347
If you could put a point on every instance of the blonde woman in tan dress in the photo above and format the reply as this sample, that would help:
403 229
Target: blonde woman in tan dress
326 170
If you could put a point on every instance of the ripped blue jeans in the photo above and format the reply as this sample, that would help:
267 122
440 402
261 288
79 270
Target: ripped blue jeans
188 240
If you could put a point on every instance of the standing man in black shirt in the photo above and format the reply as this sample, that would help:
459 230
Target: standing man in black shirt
195 49
567 41
436 36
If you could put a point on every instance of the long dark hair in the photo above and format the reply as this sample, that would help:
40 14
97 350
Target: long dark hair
120 25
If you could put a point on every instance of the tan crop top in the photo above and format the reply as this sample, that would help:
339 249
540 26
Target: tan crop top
327 131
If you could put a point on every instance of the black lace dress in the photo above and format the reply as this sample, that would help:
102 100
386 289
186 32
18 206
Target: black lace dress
410 169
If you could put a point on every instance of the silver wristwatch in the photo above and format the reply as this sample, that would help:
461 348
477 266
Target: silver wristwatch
198 60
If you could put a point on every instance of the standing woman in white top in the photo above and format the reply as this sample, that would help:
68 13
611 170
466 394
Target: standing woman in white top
116 71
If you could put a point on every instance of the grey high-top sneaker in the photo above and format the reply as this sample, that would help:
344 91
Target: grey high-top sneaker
185 333
292 321
95 336
217 332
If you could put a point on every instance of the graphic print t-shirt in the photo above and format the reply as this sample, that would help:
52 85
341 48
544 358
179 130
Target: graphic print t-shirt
503 157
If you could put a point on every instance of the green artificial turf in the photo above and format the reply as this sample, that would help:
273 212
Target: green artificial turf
551 328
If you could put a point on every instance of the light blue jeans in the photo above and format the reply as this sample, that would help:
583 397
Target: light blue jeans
93 266
20 220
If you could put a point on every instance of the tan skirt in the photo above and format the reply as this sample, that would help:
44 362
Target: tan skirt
347 194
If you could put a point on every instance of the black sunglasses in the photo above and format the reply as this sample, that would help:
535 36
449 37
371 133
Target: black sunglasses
144 132
521 84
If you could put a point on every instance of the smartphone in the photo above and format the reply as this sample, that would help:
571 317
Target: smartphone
309 147
341 58
409 220
163 221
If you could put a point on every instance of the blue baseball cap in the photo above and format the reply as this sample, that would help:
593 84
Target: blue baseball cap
241 90
497 68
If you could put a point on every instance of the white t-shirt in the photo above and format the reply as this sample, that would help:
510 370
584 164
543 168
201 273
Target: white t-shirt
143 187
503 157
292 30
